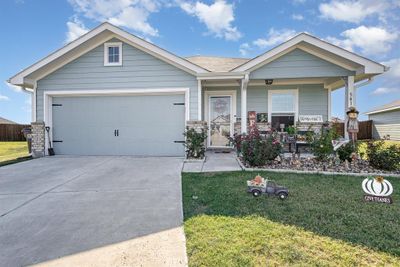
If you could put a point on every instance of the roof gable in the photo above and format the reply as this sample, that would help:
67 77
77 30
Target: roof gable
319 48
299 64
90 40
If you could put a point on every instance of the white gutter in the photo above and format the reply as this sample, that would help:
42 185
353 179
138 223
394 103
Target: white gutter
370 79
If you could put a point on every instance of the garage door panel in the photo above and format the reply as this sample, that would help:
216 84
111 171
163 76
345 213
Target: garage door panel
147 125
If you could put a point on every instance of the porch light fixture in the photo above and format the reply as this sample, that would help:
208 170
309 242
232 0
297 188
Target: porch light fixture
269 81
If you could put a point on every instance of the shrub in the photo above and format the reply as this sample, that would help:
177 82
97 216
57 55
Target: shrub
291 130
321 143
195 143
381 157
255 149
345 151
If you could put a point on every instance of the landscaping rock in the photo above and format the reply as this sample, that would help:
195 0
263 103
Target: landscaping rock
331 165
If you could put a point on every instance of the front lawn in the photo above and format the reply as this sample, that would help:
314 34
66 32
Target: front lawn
11 151
324 222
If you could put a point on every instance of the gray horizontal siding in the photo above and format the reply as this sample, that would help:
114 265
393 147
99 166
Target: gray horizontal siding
299 64
386 123
313 98
139 71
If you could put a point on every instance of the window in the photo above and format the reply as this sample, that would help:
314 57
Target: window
282 108
112 54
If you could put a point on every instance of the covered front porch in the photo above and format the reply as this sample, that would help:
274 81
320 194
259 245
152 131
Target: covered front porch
229 105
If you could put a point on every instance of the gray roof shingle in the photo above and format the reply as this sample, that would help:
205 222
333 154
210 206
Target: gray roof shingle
391 105
217 64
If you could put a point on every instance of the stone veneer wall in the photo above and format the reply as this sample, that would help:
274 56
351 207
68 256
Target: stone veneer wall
197 125
38 139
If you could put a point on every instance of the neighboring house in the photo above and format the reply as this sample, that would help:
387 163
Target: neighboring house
386 121
337 120
5 121
112 93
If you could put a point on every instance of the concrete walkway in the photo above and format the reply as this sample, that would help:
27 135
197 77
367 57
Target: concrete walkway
92 211
215 161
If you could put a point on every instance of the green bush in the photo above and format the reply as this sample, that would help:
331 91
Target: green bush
195 143
345 151
257 150
384 158
321 143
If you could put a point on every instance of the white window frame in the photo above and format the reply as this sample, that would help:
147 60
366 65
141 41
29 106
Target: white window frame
113 44
295 92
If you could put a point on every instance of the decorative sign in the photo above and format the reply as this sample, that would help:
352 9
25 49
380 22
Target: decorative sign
310 118
252 118
377 190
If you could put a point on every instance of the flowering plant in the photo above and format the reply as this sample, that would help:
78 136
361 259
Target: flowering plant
255 149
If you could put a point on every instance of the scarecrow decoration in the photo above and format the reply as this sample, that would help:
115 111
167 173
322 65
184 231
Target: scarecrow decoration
352 123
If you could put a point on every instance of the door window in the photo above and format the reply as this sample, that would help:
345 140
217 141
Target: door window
220 120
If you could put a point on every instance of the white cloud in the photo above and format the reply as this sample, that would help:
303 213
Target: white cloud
75 30
275 37
4 98
352 11
244 49
132 14
371 40
394 71
218 17
384 91
297 17
14 87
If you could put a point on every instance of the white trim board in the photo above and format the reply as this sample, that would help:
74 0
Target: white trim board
48 100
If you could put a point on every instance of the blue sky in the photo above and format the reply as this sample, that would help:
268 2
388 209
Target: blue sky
31 29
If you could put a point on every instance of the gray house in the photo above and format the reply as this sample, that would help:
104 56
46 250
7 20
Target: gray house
386 121
112 93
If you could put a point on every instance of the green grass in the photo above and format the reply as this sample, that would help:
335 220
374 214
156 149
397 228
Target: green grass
324 222
11 151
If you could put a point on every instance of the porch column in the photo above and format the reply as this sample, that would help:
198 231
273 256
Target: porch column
243 105
349 98
329 104
199 100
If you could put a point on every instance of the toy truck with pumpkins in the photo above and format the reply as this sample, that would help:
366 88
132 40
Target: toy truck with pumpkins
260 185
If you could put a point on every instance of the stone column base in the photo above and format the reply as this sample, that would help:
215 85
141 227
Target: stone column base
38 139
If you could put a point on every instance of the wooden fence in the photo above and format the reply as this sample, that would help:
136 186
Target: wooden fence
12 132
364 126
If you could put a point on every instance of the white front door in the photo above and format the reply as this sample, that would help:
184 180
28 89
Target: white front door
220 113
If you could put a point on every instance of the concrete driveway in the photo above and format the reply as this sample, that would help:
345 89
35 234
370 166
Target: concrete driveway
91 211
